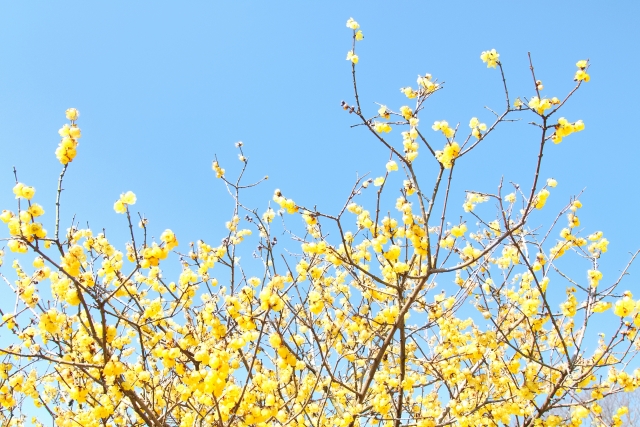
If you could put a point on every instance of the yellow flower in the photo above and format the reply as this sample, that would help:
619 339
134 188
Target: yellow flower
490 57
448 155
393 253
594 277
219 171
23 191
17 246
564 128
128 198
581 74
408 92
383 112
268 215
444 127
406 112
381 127
378 181
517 104
352 24
552 182
477 127
601 306
351 56
539 105
541 198
624 307
459 230
359 36
72 114
426 83
391 166
169 238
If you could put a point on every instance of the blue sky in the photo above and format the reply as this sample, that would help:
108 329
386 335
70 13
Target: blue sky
163 88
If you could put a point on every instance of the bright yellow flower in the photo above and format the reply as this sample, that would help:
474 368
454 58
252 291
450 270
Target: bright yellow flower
406 112
383 112
624 307
490 57
72 114
581 74
352 24
23 191
539 105
351 56
128 198
408 92
381 127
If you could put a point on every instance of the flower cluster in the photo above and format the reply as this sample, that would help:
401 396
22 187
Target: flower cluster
381 127
218 170
564 128
450 152
476 127
539 105
126 199
70 134
286 204
472 200
443 126
490 57
358 36
581 74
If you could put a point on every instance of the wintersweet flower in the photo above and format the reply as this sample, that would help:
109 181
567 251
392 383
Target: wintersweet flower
477 127
391 166
490 57
351 56
381 127
406 112
448 154
624 307
581 74
23 191
564 128
352 24
219 171
128 198
383 112
409 92
539 105
426 83
72 114
444 127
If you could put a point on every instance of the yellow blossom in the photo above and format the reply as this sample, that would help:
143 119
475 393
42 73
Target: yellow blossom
352 24
128 198
490 57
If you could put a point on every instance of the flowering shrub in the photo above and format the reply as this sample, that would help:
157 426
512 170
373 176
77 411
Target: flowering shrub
395 318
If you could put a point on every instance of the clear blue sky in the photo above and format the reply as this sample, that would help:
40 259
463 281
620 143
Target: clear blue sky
163 87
